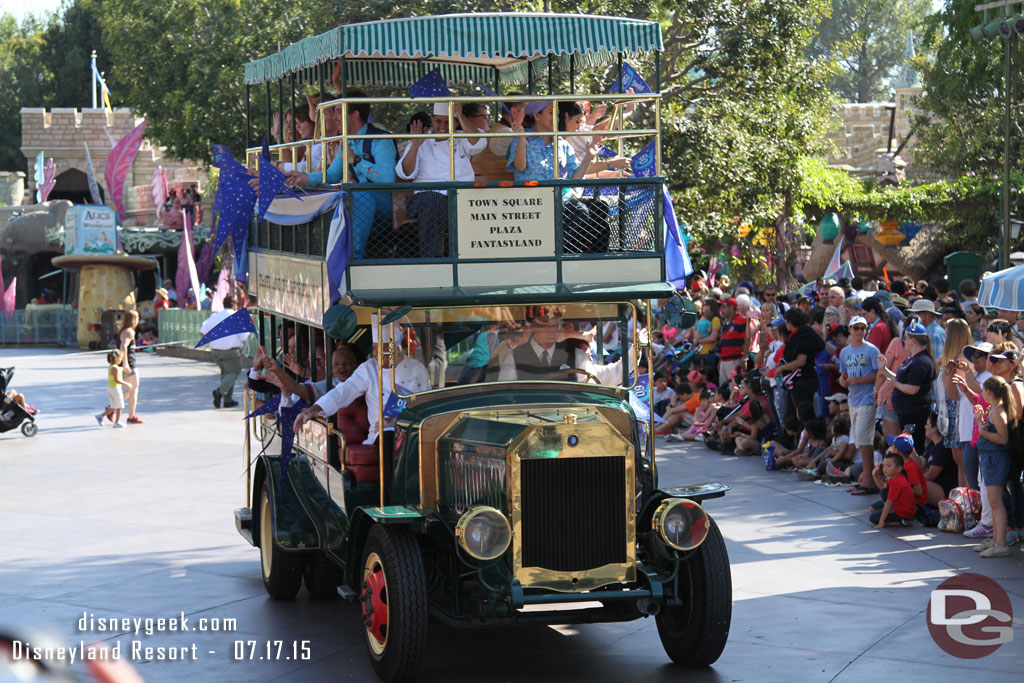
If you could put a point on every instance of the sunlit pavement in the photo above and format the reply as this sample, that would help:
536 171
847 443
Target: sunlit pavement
137 522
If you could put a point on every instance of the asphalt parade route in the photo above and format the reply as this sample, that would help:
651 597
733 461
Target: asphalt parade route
133 526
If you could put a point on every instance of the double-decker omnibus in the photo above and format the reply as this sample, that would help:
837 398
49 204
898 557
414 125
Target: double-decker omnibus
504 476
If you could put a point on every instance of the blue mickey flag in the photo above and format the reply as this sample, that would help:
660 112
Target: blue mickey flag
606 153
431 85
677 259
286 421
639 399
631 79
239 322
269 407
395 404
643 163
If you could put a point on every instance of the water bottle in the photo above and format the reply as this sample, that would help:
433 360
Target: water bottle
770 463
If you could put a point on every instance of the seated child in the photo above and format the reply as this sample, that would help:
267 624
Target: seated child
839 453
703 416
721 401
898 508
680 409
814 444
662 394
754 418
904 445
793 438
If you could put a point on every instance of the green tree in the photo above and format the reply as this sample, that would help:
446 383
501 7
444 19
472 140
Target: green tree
869 38
70 36
745 106
22 83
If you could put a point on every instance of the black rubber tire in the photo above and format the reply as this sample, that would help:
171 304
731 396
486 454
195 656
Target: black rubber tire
281 571
321 576
695 634
29 429
406 590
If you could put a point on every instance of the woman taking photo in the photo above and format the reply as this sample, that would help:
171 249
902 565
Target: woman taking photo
127 337
912 382
1004 362
958 336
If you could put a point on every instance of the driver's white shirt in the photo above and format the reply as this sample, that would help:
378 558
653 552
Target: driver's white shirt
610 374
363 382
412 376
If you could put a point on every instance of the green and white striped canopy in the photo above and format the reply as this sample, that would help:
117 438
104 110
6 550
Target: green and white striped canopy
468 48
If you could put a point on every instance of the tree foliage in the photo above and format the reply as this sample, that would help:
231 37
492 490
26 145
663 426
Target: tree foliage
21 49
869 38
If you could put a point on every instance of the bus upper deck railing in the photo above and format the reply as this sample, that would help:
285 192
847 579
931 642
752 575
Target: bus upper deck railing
619 133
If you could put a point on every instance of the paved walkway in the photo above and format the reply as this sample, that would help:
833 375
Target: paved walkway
138 523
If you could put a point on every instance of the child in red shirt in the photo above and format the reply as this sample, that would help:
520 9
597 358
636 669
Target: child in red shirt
899 507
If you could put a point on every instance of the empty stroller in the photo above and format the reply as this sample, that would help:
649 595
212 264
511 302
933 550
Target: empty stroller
12 414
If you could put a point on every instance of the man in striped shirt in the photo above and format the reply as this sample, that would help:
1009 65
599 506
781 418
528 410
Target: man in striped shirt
733 345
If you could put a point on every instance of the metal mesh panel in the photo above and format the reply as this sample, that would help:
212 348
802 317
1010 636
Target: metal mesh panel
287 239
42 325
597 220
319 229
399 225
264 235
301 233
275 236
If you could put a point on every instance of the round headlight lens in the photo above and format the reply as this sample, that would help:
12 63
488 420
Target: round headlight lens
682 524
484 533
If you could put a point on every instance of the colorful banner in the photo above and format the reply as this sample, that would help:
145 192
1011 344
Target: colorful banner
119 163
10 299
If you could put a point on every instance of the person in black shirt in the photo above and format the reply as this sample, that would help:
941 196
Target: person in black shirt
940 470
797 372
912 388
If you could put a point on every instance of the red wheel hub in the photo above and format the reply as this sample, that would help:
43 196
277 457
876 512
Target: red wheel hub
375 603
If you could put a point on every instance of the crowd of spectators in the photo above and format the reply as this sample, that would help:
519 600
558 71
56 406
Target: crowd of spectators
864 383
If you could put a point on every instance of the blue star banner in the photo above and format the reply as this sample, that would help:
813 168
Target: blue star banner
239 322
431 85
268 407
233 208
286 421
630 79
395 404
606 153
490 92
225 161
265 152
643 163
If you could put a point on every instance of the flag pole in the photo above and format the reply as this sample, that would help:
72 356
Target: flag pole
94 72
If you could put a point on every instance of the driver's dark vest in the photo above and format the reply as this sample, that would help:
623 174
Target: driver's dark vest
529 366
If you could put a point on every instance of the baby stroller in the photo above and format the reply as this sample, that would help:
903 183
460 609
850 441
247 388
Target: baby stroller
12 415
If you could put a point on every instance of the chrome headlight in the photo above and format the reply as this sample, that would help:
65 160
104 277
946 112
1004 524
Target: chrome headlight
681 523
483 532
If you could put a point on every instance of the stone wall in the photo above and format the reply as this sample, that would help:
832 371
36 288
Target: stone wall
63 134
12 187
862 134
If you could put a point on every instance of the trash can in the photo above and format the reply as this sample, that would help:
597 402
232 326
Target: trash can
963 265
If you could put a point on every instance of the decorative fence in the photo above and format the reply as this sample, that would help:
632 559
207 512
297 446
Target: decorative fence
40 325
180 325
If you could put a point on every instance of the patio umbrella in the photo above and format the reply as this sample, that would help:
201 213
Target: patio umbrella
1003 289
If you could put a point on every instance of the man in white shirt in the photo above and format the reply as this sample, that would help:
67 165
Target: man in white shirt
410 374
427 161
227 353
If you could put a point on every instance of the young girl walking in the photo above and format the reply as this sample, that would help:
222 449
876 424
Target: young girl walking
115 396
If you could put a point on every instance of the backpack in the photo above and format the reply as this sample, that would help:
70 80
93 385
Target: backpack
960 511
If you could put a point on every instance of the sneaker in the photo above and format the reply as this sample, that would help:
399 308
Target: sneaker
99 419
230 404
118 425
996 551
979 531
833 471
1011 537
136 420
906 522
216 398
806 474
984 545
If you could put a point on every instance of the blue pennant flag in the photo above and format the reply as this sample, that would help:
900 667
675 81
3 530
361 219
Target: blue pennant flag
271 182
490 92
643 163
606 153
286 421
395 403
677 259
240 264
339 251
631 79
233 208
265 152
431 85
225 161
239 322
269 407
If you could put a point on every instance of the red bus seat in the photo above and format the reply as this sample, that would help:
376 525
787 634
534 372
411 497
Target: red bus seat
361 460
